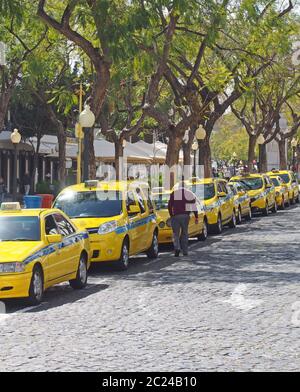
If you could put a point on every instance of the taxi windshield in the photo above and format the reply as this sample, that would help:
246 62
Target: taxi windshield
161 201
19 228
275 181
90 204
204 191
251 183
285 178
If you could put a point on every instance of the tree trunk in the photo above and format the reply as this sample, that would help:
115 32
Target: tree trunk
173 150
263 167
186 147
282 154
4 102
205 157
61 137
119 154
251 152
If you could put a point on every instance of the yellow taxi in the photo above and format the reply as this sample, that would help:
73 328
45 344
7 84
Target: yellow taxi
218 202
282 193
161 199
291 183
261 191
40 248
242 202
119 217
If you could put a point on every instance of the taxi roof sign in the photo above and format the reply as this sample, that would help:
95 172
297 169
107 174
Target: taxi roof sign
13 206
91 183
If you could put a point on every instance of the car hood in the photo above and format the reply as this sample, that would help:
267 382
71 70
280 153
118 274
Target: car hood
162 215
255 192
91 223
18 250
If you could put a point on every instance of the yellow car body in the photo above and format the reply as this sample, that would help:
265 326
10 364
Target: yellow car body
41 240
119 217
261 191
290 182
165 233
218 202
242 202
281 190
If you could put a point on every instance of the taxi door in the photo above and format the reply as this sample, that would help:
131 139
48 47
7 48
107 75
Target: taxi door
134 221
145 232
54 256
69 247
225 206
269 190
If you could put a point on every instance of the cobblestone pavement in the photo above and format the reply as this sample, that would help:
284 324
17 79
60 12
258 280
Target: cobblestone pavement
233 304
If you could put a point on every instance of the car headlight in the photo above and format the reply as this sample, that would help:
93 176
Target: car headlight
7 268
108 227
211 206
277 193
169 223
162 224
259 196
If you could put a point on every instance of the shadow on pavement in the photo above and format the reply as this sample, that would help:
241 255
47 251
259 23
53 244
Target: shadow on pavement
54 297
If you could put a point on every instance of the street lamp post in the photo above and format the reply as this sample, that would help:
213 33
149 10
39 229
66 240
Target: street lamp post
260 141
234 161
86 121
15 138
200 136
294 144
195 148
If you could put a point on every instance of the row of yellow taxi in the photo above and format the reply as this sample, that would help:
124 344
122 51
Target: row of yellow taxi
223 203
112 221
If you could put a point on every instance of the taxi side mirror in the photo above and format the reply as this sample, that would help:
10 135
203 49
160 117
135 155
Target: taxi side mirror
133 210
268 186
54 238
222 194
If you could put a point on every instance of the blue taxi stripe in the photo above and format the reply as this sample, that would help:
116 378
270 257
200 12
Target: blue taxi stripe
49 249
129 226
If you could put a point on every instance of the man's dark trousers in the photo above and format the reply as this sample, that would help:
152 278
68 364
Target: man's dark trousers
180 227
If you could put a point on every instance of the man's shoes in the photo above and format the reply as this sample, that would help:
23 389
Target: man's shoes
177 253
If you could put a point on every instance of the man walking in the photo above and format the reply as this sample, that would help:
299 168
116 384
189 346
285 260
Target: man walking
26 183
182 202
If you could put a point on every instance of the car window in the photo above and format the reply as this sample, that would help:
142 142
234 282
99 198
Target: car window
219 187
19 228
130 200
64 226
50 226
232 189
141 200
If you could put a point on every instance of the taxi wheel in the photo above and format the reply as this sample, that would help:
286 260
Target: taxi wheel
81 277
232 223
266 210
249 216
288 203
298 199
275 208
36 290
152 252
204 234
239 216
292 201
282 206
218 227
123 263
